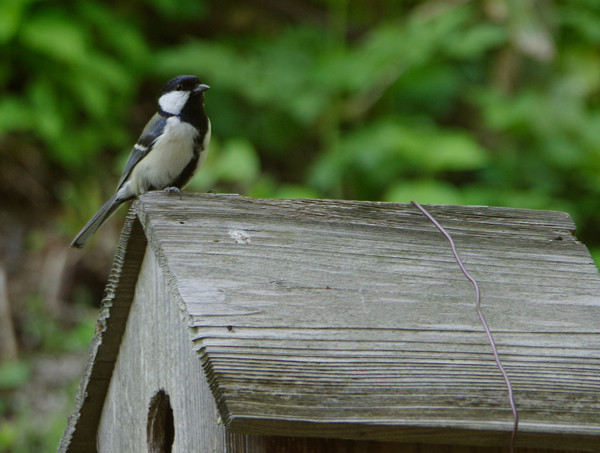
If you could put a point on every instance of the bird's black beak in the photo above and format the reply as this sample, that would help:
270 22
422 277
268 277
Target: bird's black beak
200 88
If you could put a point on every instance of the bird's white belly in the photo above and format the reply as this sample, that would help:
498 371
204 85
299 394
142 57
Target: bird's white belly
170 154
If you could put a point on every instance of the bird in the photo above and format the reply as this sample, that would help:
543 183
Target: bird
171 148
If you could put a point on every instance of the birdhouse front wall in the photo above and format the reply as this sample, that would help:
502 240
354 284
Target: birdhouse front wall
156 354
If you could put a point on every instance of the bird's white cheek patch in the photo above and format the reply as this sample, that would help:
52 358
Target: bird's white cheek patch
173 102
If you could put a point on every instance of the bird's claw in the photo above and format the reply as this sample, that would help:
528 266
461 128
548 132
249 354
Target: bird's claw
171 190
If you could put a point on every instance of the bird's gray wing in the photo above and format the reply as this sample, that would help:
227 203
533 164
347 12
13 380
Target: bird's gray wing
144 145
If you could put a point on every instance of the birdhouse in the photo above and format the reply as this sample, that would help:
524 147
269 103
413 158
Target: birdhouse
233 324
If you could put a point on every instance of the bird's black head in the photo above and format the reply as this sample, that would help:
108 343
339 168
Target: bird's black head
178 91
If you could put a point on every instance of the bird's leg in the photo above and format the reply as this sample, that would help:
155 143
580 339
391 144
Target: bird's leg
171 190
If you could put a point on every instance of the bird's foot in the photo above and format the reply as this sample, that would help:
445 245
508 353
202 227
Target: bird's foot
171 190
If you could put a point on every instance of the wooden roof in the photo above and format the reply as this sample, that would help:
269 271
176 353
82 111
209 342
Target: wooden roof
353 320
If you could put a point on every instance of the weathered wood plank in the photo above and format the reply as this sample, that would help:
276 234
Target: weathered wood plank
80 433
155 355
352 319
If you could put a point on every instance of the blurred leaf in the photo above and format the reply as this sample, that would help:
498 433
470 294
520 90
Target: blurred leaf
56 35
475 41
237 162
327 172
15 114
595 252
503 113
47 114
390 149
214 62
8 435
11 16
264 187
514 198
13 374
430 89
72 340
453 150
92 96
180 9
582 19
291 191
425 192
106 72
582 72
120 34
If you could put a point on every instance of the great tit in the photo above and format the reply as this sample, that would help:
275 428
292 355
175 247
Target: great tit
172 147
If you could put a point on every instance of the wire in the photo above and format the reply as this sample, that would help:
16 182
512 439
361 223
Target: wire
511 396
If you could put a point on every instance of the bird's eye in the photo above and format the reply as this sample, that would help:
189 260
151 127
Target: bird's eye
179 87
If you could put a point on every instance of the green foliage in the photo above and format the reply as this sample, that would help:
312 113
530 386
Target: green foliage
49 333
488 103
13 374
411 107
26 430
22 428
67 87
235 163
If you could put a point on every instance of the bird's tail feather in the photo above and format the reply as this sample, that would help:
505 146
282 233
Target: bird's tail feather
103 214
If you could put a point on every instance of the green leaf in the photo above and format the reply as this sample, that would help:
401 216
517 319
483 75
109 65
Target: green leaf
11 17
92 96
238 162
179 10
56 35
9 433
454 151
106 72
424 191
15 114
473 42
13 374
46 111
595 252
212 61
327 172
122 36
291 191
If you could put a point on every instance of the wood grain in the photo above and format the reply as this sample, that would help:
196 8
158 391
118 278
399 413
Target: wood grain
156 355
80 433
352 319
